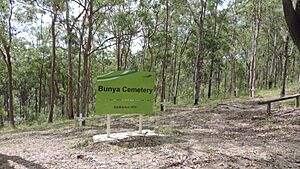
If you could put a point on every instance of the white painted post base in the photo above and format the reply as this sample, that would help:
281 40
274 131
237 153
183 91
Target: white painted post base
140 123
108 125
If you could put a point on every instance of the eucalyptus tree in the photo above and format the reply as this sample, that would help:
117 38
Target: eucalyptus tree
180 30
70 22
257 22
199 19
148 15
94 16
7 34
123 26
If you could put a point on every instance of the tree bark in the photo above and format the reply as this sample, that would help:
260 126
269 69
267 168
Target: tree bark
199 60
182 50
86 56
78 93
53 67
164 62
258 7
273 65
1 121
284 75
41 73
7 57
292 18
210 77
70 68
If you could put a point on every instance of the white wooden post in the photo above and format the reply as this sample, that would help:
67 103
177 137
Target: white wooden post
236 92
140 123
164 103
80 119
108 125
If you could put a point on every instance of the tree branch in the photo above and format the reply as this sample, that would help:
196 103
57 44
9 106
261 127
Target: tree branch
193 14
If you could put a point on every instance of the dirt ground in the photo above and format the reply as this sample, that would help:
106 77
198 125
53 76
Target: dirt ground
228 135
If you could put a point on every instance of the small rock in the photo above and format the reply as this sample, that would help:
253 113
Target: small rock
80 156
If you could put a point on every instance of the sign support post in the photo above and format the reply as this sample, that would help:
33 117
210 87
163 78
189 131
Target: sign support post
108 125
140 123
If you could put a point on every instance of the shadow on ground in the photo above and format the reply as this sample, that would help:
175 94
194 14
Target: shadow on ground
4 164
150 141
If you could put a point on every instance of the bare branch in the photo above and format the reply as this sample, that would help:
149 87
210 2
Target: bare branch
81 4
100 47
4 56
193 14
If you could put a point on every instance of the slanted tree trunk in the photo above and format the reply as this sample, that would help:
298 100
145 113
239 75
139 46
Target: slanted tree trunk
182 49
292 18
86 56
257 18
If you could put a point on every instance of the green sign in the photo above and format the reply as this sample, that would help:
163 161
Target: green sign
125 92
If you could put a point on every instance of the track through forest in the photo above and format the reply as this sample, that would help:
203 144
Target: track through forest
234 134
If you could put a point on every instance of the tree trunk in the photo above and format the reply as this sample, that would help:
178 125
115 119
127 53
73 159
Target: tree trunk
210 77
268 62
7 56
86 56
41 73
70 69
177 85
118 50
36 103
1 121
284 75
258 7
164 62
10 94
53 67
273 65
78 93
199 60
232 73
174 66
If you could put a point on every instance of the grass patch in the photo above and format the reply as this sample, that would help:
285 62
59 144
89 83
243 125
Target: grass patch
167 130
275 92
